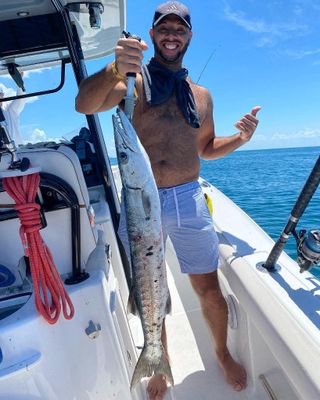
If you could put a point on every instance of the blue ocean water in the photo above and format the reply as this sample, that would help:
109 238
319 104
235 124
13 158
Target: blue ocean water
266 185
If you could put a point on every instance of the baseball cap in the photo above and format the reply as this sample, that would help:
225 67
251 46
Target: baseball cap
172 7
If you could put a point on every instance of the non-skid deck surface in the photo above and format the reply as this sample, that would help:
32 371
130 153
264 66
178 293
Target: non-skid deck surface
196 374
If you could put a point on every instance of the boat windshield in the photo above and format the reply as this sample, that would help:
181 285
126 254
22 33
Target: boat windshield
34 58
48 115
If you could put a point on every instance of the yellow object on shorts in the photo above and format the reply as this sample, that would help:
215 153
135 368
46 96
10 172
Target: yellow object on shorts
209 203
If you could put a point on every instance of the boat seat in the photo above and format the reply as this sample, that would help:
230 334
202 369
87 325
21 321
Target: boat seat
63 163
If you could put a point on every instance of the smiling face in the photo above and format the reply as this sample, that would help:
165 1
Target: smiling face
171 38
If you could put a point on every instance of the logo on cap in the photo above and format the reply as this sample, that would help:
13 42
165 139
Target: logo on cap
172 7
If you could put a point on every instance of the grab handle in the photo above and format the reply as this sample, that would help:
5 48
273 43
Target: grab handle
267 387
131 77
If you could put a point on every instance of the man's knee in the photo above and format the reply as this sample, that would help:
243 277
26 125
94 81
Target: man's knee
206 286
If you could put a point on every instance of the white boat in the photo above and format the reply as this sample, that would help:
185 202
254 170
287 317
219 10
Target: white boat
274 318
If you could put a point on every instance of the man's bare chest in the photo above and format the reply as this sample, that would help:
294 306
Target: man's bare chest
170 110
165 124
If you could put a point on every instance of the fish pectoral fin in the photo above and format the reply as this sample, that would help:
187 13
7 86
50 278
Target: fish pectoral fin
146 203
132 305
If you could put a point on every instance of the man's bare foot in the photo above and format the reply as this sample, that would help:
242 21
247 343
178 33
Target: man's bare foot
157 387
234 373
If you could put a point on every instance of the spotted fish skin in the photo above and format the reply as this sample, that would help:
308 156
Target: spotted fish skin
150 294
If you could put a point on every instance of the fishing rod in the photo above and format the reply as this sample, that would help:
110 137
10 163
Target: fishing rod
308 243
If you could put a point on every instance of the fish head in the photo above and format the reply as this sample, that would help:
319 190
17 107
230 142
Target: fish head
133 161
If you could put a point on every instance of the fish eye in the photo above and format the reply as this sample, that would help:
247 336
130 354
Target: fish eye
123 156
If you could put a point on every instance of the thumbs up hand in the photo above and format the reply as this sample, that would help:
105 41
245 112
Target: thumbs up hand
248 124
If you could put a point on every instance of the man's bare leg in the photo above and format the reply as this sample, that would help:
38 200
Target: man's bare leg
215 311
157 385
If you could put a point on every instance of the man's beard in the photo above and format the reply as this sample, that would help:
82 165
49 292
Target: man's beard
178 57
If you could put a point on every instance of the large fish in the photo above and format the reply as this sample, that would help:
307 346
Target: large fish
150 294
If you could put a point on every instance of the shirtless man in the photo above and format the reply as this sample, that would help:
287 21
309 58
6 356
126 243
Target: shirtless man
175 125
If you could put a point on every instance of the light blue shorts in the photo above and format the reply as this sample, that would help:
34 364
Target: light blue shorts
187 221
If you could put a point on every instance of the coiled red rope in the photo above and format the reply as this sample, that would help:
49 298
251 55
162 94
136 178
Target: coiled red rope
50 293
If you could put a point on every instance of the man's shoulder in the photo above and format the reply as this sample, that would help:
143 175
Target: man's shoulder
200 91
196 86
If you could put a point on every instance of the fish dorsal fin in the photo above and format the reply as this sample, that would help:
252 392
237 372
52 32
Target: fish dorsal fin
146 203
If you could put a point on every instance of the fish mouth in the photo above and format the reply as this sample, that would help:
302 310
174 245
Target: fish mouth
132 188
120 121
120 132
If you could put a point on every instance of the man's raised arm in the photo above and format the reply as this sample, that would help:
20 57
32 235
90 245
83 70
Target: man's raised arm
105 89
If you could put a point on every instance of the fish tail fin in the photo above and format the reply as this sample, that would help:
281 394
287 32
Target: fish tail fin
145 368
164 368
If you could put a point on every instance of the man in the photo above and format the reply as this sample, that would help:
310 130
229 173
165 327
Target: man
174 120
11 111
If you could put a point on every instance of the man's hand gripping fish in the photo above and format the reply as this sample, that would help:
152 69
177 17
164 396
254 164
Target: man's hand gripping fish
150 293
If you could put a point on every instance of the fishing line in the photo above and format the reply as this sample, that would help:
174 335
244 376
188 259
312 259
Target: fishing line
206 64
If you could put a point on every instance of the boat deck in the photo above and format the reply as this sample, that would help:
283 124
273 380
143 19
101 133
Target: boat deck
196 374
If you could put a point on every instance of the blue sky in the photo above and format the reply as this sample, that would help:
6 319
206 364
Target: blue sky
263 53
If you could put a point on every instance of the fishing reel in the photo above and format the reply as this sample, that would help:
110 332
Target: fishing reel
308 248
8 146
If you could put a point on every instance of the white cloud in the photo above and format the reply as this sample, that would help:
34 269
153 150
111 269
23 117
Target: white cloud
32 99
112 150
260 26
299 54
26 74
269 33
240 19
9 92
37 135
260 137
308 133
297 9
265 42
283 136
35 71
